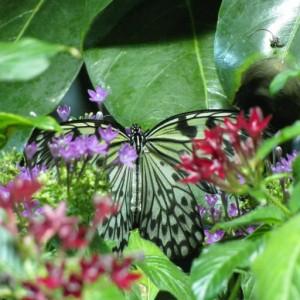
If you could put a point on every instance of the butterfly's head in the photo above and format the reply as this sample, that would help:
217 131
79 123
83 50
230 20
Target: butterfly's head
136 136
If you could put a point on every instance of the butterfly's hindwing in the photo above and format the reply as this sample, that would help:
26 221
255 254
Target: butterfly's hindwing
168 214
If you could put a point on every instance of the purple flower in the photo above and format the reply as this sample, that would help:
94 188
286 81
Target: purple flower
232 210
59 143
30 150
127 155
250 229
108 134
211 199
94 147
202 210
63 112
214 237
284 165
98 95
32 208
69 153
29 173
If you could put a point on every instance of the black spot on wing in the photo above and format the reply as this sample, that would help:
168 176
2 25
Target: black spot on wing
185 129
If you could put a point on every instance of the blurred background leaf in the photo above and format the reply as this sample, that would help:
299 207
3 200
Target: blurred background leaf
27 58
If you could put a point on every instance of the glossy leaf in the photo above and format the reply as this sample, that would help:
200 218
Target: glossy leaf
155 67
266 215
159 269
212 270
244 33
27 58
281 79
60 22
277 269
10 122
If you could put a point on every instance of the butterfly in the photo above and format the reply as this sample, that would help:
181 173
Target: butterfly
150 195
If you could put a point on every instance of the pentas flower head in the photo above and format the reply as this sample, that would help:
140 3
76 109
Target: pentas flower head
73 286
121 275
108 134
127 155
30 150
64 112
98 95
223 156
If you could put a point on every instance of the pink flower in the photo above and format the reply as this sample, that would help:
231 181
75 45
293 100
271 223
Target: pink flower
73 286
104 207
121 275
92 268
54 278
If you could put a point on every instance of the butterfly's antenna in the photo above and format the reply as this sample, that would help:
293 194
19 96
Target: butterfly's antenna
264 29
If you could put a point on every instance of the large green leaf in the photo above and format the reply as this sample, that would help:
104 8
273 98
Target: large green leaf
239 41
159 269
277 269
212 270
60 22
158 62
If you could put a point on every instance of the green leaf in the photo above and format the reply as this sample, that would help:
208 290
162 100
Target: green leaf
281 79
26 58
103 289
10 122
277 269
266 215
248 285
282 136
63 22
159 269
212 270
155 67
10 261
240 42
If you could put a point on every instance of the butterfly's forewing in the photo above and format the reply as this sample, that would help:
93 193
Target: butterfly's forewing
120 177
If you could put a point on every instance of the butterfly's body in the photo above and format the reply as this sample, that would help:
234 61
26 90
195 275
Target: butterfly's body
150 195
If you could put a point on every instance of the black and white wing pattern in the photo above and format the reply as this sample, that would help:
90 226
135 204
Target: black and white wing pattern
168 214
150 195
